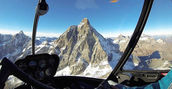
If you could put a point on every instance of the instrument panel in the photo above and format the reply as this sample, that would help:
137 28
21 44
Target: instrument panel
41 66
140 78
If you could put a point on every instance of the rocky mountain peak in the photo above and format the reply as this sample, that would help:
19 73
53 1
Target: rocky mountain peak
21 32
121 36
85 21
82 31
82 45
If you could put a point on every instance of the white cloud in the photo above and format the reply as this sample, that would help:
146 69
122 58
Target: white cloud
126 32
86 4
39 34
165 31
49 34
116 33
7 31
107 35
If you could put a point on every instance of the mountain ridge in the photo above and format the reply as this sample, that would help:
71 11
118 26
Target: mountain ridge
83 42
85 52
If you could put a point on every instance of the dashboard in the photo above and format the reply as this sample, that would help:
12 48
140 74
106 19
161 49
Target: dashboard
41 67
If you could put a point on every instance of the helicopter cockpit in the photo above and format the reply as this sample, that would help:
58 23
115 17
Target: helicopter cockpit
38 70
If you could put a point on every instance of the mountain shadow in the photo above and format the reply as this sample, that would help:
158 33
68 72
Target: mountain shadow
154 55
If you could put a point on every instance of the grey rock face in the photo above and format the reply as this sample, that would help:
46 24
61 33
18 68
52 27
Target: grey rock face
79 47
82 45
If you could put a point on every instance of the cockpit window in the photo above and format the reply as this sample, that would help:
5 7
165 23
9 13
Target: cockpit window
89 36
153 51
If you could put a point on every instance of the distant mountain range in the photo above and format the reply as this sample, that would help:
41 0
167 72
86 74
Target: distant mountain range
85 52
149 53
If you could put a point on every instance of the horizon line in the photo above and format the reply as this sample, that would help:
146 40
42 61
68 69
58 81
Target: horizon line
106 35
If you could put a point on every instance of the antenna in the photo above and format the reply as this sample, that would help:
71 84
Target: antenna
41 9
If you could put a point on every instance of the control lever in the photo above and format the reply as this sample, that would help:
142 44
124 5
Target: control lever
41 9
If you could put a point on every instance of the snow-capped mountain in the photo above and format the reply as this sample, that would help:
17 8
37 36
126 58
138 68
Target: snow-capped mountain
19 45
83 51
42 45
149 53
12 46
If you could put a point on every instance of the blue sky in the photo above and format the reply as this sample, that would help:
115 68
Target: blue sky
108 18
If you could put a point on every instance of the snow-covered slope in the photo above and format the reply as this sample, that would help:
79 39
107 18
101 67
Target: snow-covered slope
85 52
82 50
149 53
12 46
19 45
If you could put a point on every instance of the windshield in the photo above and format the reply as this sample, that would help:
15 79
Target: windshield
153 51
89 36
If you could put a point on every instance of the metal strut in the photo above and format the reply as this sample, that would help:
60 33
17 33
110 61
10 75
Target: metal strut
132 43
41 9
